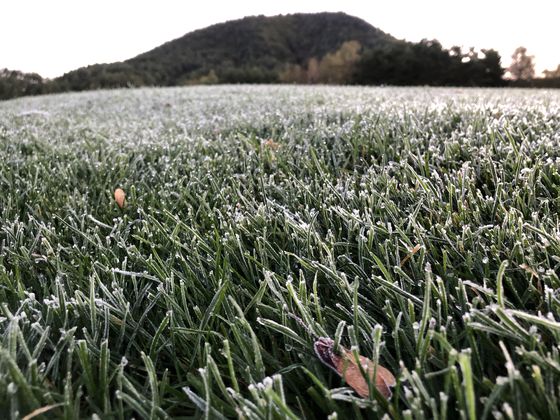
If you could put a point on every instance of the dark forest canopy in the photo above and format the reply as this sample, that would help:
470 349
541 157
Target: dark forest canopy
299 48
15 83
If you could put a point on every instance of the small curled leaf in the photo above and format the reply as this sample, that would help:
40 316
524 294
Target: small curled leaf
344 364
120 197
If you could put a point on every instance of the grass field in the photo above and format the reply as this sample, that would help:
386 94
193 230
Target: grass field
419 227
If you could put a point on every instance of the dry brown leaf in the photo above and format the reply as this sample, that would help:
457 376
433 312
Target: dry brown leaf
534 275
529 269
346 366
120 197
271 144
40 411
413 251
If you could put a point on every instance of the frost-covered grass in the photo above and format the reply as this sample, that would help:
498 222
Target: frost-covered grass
186 302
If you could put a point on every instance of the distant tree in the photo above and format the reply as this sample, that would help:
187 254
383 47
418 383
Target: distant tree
552 74
210 78
455 51
338 67
493 72
313 70
14 83
293 73
522 67
427 63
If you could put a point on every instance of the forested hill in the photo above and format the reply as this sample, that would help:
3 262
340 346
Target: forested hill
331 48
253 49
259 44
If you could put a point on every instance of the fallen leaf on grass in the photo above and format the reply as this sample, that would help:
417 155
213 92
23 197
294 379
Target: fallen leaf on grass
271 144
344 364
40 411
120 197
412 252
534 275
528 269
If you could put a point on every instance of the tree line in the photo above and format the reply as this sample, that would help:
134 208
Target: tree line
390 63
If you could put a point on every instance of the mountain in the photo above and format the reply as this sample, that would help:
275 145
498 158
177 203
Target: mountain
332 48
252 49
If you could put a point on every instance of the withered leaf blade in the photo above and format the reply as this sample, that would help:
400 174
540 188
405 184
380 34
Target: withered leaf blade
345 365
120 197
352 374
271 144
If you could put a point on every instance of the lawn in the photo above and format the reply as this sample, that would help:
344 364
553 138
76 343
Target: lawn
416 227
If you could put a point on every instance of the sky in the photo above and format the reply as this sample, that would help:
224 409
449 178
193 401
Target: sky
51 37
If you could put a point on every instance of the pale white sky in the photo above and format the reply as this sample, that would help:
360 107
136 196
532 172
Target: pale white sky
51 37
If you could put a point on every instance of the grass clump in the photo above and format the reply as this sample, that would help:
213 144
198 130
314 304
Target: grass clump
418 227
